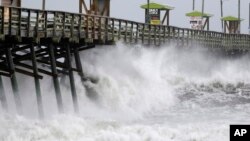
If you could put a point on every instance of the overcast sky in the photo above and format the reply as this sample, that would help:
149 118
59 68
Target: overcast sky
130 9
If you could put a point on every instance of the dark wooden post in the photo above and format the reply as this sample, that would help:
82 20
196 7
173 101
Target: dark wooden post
119 30
149 34
126 30
46 23
73 16
71 76
106 29
2 96
14 80
79 64
87 27
10 21
80 26
19 21
2 22
28 26
137 33
164 34
154 34
168 17
160 34
63 26
54 23
208 23
55 77
143 33
100 30
131 32
113 30
37 83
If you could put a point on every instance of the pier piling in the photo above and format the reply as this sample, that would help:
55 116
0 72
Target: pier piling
14 80
37 82
55 77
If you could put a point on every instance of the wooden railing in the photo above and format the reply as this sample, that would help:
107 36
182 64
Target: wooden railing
33 23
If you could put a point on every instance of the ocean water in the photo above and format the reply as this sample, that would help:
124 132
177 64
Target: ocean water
139 94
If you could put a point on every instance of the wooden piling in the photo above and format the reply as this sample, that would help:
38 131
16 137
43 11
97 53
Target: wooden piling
13 79
71 76
55 78
3 99
37 82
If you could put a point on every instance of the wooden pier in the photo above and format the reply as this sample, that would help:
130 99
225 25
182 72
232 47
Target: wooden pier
29 37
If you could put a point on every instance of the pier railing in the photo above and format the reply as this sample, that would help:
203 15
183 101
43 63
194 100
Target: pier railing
22 22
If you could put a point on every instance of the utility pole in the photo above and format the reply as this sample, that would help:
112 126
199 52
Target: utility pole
239 15
43 4
193 5
202 13
148 13
221 10
249 19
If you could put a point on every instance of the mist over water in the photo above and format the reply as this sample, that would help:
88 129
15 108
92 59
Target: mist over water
140 94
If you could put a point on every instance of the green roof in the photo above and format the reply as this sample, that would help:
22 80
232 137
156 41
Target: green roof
198 14
157 6
231 18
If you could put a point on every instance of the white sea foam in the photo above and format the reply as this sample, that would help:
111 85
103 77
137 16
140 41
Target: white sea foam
141 94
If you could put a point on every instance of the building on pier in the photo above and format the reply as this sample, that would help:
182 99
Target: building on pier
153 13
197 20
96 7
231 24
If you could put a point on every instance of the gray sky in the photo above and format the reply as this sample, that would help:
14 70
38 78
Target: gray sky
130 9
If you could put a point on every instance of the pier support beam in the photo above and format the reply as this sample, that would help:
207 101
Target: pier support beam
55 77
14 80
79 64
37 82
2 96
71 76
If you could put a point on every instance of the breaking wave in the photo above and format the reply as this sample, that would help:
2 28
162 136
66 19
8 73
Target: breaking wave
141 94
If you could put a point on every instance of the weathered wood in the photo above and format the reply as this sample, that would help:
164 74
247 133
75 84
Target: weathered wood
55 78
3 99
62 24
143 33
14 80
137 33
37 82
71 75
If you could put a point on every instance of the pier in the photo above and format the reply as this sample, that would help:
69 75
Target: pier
29 37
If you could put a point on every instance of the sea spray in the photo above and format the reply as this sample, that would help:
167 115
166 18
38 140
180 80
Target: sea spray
142 93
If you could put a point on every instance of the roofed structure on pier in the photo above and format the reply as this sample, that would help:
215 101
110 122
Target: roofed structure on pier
153 13
96 7
196 20
231 24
